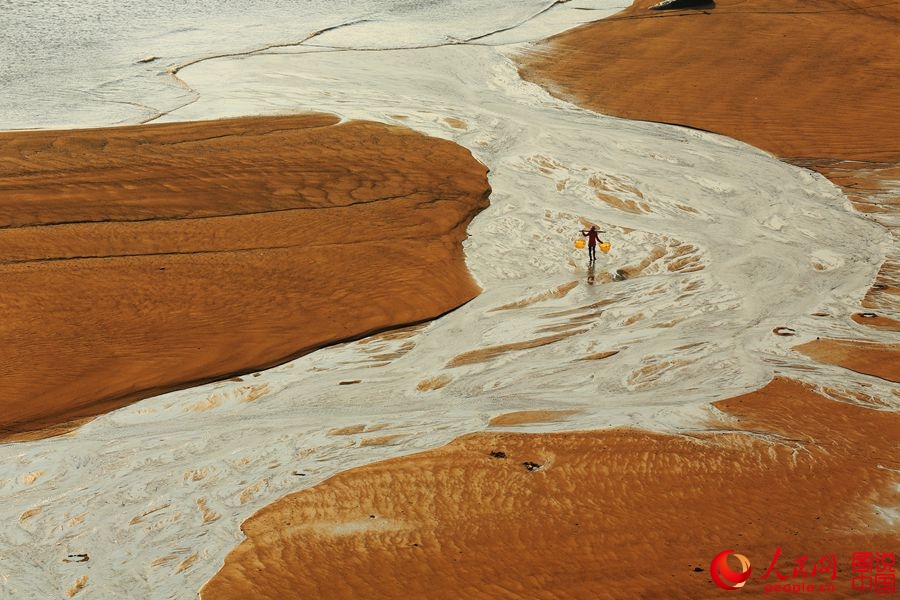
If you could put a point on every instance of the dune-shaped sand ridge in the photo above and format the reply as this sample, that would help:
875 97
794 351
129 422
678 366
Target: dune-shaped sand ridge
810 78
500 515
588 460
571 514
141 259
813 82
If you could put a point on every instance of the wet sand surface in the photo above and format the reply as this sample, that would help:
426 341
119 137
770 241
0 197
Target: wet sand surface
873 320
527 417
569 515
874 189
611 513
799 78
142 259
813 82
879 360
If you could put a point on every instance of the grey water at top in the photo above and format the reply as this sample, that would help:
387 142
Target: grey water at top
78 63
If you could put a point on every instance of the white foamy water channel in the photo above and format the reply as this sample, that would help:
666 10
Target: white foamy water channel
735 243
76 63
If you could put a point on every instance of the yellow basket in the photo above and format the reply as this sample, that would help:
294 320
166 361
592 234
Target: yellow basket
579 244
604 247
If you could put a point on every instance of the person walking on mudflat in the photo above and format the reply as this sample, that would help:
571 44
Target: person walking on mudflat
593 236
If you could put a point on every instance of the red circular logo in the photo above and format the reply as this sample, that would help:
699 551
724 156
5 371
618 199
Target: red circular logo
722 574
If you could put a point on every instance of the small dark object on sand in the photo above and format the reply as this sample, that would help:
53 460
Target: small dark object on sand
77 558
498 454
531 466
676 4
784 331
698 570
620 275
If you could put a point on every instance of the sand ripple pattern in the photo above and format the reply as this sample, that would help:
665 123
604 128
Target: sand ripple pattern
672 339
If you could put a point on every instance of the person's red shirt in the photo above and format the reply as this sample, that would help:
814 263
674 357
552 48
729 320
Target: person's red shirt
593 236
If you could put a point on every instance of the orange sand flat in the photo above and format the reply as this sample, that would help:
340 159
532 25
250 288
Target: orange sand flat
491 352
876 321
800 78
559 291
525 417
608 514
138 260
600 355
880 360
812 81
874 189
624 513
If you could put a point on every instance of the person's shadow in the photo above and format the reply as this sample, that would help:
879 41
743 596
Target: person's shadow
590 274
